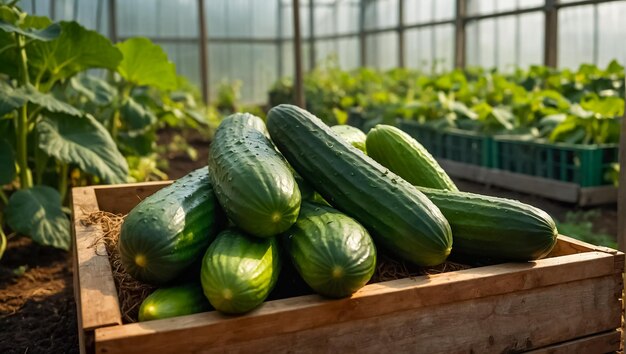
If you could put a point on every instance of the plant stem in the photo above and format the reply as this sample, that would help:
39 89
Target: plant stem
63 180
3 241
4 198
22 120
126 89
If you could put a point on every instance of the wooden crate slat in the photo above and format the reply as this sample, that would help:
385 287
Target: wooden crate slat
595 344
120 199
506 322
97 299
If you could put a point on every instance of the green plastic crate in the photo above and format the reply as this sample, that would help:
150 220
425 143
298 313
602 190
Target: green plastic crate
585 165
429 137
468 147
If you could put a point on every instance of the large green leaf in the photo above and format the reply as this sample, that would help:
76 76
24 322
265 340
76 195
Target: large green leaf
36 212
48 101
7 163
85 142
94 89
146 64
47 34
10 98
136 116
75 50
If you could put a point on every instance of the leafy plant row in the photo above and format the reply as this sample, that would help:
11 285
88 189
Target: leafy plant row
76 109
573 106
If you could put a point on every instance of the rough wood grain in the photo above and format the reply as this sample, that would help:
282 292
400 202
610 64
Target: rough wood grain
596 344
97 299
306 312
589 196
120 199
509 322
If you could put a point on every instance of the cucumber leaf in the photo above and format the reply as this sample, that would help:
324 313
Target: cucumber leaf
94 89
136 116
7 163
75 50
47 34
37 212
10 98
85 142
146 64
48 102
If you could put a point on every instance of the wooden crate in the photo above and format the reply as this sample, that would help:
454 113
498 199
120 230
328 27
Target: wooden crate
569 302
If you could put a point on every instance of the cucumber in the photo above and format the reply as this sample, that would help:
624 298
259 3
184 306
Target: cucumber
332 252
354 136
494 227
403 155
239 271
252 181
399 217
169 230
252 121
173 301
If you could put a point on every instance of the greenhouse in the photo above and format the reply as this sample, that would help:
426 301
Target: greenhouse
312 176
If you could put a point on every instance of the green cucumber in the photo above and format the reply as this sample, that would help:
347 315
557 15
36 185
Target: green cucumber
332 252
400 217
354 136
407 158
169 230
495 227
173 301
252 181
239 271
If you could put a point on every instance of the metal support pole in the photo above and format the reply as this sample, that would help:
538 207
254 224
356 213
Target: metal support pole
460 36
297 55
362 42
204 52
621 196
113 20
53 8
401 33
279 40
311 34
551 34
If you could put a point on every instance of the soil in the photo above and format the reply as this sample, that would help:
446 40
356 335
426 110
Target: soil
37 308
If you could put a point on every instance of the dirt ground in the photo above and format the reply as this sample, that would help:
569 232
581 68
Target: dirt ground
37 308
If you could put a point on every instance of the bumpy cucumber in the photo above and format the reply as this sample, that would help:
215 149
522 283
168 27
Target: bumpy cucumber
495 227
400 217
169 230
252 180
403 155
239 271
354 136
332 252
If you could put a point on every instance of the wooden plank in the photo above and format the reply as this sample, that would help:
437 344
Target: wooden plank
75 282
595 344
120 199
557 190
97 301
589 196
514 321
378 299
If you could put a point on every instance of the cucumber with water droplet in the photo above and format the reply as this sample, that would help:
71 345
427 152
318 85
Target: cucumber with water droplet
169 230
253 183
239 271
332 252
180 300
399 217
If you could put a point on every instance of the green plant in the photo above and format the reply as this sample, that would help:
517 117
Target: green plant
43 138
173 301
579 225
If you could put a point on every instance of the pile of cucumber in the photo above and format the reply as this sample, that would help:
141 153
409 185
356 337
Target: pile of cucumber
320 198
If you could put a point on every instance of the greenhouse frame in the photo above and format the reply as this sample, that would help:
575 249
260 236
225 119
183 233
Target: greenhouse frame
377 33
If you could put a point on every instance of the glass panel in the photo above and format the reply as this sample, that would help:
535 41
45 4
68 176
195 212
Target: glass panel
506 43
348 16
381 14
611 33
382 50
325 20
444 10
348 53
444 48
575 36
531 39
419 48
418 11
481 41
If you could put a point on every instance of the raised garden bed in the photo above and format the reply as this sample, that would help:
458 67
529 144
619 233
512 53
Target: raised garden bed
568 302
